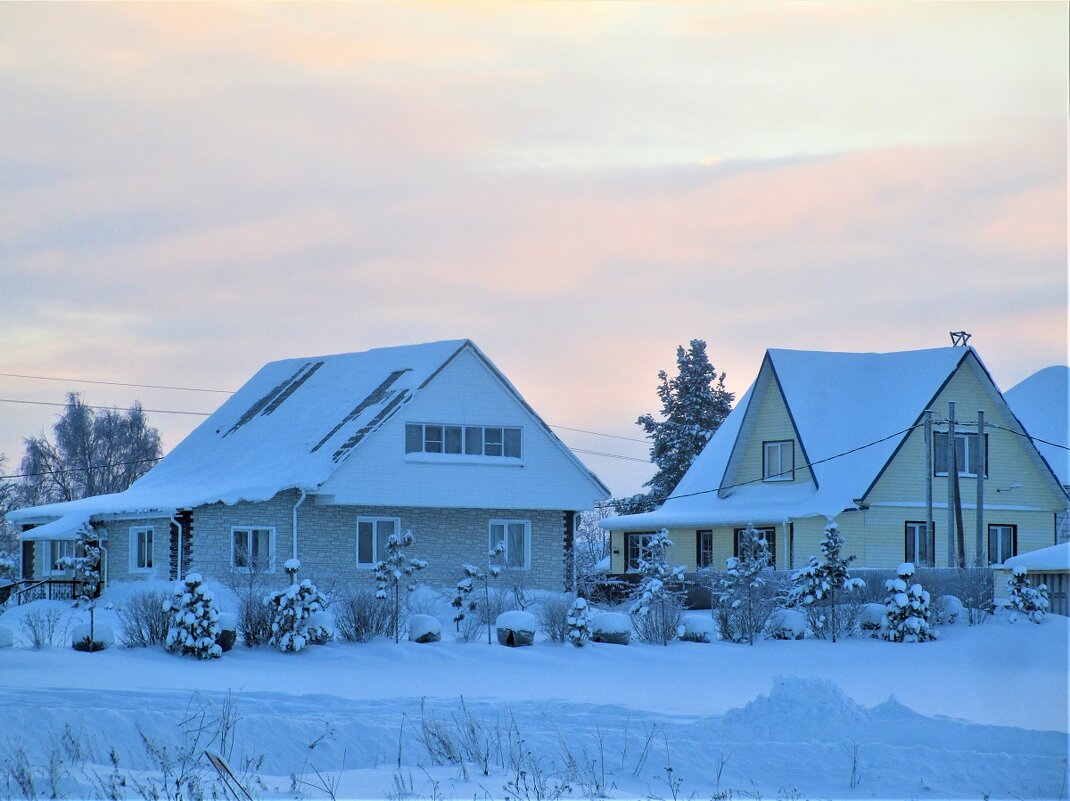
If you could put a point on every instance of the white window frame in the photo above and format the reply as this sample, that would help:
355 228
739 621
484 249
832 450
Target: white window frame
642 540
375 521
492 543
135 534
249 531
780 473
913 532
440 444
53 558
964 469
1002 530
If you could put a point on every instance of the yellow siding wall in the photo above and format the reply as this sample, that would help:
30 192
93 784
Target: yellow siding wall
683 551
768 421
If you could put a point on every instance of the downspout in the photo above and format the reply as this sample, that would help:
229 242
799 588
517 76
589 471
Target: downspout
178 555
789 546
300 501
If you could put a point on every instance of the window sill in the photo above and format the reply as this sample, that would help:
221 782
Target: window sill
460 458
778 479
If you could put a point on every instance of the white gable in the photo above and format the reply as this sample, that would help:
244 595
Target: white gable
1041 404
466 392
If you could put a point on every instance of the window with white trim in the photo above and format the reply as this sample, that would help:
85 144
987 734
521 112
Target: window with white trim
968 456
141 549
918 545
778 460
1002 543
253 549
767 533
502 441
372 534
636 548
59 549
703 548
516 537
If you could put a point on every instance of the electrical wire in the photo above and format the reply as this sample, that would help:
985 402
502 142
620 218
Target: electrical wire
116 383
101 408
83 469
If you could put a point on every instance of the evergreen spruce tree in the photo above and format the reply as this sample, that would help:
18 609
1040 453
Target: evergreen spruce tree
292 612
694 403
85 563
579 622
743 608
907 616
817 583
194 620
1030 601
658 599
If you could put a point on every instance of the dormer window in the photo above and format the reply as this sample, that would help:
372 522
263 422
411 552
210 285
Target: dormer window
495 441
778 460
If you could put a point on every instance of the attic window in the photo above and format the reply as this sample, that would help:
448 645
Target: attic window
967 454
778 461
497 441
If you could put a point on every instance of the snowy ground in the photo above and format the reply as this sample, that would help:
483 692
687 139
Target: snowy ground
981 712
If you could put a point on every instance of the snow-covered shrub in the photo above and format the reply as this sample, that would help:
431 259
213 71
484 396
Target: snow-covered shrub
552 612
614 627
360 616
144 619
698 628
291 616
194 620
658 599
392 571
787 624
976 586
86 562
476 578
578 621
228 631
907 615
948 609
424 628
515 627
87 637
320 628
41 625
742 606
254 617
872 617
815 586
1030 601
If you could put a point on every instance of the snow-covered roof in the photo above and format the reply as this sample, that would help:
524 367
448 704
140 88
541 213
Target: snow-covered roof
289 427
1042 404
837 402
1054 557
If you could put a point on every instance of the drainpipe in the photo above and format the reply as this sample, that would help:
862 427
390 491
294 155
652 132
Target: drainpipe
300 501
789 561
176 524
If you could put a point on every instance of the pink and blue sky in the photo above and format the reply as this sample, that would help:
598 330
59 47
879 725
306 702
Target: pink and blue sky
189 191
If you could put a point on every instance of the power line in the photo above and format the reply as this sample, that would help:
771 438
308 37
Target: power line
101 408
83 469
1026 436
600 434
610 455
116 383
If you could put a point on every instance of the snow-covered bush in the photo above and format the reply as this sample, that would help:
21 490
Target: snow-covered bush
291 616
787 624
815 586
515 627
1030 601
698 628
424 628
872 617
254 617
360 616
466 604
553 611
87 637
194 620
906 609
392 571
578 621
975 586
658 600
948 610
144 619
614 627
41 625
743 608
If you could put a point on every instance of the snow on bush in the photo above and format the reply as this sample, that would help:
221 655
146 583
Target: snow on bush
872 617
424 628
516 627
906 609
291 619
553 608
85 637
788 624
698 627
743 606
1030 601
614 627
361 616
579 622
194 620
657 601
815 586
144 619
948 609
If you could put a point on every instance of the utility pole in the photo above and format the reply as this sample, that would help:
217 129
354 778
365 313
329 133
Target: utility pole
930 539
951 468
981 471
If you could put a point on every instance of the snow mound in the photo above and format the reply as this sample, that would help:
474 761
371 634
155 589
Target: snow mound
799 709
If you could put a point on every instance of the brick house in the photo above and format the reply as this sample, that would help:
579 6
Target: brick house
323 458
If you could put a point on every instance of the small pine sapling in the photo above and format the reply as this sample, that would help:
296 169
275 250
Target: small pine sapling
390 572
907 616
742 610
819 581
579 622
194 620
85 564
292 610
1030 601
656 602
473 577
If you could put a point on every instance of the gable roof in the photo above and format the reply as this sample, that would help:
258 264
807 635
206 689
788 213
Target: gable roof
1042 405
837 403
289 427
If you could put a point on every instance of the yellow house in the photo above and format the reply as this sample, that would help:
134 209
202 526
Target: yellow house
843 436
